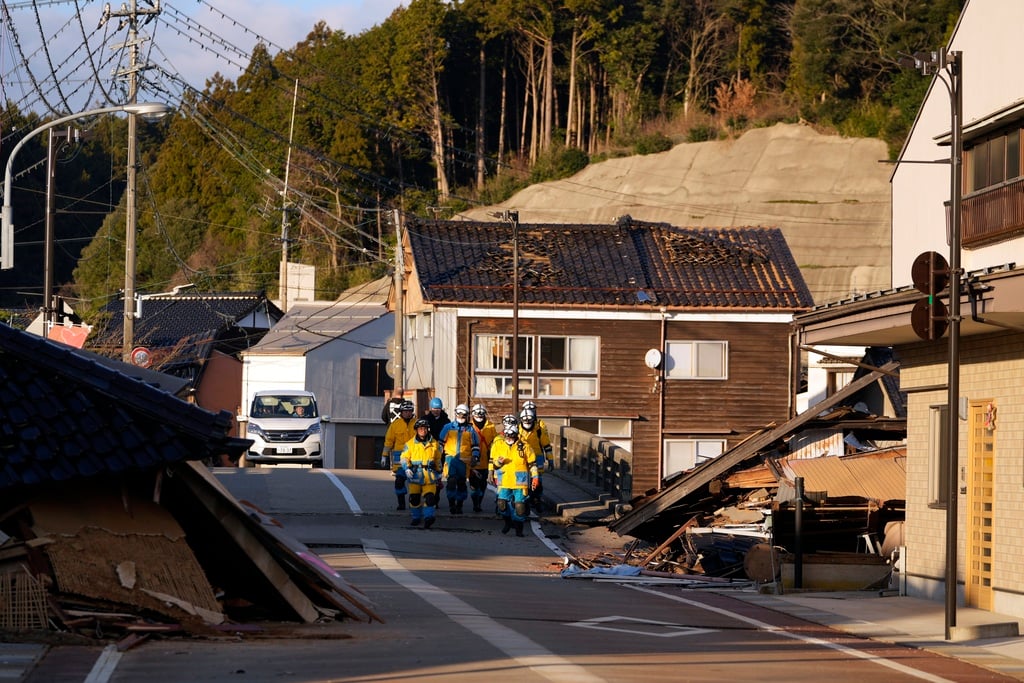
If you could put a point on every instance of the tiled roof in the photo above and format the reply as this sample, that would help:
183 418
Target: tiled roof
167 319
630 263
64 416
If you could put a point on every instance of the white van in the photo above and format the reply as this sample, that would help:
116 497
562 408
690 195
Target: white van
284 426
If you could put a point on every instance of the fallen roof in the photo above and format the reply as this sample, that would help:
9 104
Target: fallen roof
64 416
653 506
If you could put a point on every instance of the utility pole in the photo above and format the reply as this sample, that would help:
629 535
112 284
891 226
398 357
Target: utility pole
399 370
285 209
131 14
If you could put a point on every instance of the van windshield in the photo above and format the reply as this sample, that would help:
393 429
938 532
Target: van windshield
283 405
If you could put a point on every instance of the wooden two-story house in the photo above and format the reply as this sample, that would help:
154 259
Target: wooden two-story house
977 91
672 342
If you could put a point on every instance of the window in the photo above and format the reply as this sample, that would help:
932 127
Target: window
696 360
684 454
373 378
411 331
426 325
938 455
556 367
993 161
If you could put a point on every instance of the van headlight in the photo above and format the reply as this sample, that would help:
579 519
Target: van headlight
313 429
255 429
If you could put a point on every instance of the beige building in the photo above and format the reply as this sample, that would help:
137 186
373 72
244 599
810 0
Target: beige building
988 350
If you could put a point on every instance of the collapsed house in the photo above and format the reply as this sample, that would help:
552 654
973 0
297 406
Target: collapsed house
831 481
109 521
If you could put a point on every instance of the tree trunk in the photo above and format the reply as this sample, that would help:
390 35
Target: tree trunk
549 92
570 116
503 112
481 169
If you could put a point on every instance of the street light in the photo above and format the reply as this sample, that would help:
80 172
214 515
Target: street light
149 111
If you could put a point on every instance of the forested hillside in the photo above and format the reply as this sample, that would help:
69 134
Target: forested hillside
447 106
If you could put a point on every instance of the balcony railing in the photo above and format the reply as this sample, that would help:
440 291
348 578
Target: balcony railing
992 215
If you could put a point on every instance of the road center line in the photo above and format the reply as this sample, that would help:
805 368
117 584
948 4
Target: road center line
514 644
349 498
764 626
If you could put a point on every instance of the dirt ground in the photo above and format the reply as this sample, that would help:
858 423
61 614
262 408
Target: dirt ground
828 194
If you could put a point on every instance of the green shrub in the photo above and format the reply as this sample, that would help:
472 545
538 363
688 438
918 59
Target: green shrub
652 144
702 133
559 163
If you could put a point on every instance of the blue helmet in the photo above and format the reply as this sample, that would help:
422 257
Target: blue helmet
435 403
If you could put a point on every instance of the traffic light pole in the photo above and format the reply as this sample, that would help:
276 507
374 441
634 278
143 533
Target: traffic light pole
954 67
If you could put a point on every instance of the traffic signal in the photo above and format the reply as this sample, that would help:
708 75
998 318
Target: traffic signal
930 275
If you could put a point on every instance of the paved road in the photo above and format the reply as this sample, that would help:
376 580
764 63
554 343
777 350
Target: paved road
462 602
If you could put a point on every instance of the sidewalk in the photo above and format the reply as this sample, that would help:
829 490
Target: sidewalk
986 639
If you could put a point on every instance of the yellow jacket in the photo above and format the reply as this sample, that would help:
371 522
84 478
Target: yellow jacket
424 459
399 433
517 462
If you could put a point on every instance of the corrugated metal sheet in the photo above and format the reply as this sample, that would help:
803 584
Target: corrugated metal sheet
880 477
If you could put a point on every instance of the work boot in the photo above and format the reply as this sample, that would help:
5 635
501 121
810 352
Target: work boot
508 525
416 522
519 529
401 501
476 506
428 522
458 507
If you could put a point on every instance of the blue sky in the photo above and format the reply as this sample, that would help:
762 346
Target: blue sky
192 38
283 22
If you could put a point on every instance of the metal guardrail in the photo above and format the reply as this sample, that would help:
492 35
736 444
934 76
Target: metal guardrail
597 461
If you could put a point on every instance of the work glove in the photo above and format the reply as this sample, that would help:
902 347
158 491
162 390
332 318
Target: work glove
409 474
384 462
535 482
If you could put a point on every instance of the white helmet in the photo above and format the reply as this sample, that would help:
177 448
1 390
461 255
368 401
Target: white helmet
462 410
527 418
479 410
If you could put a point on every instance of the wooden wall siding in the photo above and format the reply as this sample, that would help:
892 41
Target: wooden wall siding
756 393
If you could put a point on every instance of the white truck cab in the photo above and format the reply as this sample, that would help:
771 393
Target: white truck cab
284 426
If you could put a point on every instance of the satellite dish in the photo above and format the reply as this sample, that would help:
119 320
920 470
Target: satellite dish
652 359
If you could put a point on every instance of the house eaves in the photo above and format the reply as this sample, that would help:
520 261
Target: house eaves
657 504
990 299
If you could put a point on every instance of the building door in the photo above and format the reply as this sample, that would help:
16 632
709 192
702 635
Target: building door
980 498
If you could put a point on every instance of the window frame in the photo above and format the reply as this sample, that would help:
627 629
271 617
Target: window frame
938 455
674 370
698 456
494 379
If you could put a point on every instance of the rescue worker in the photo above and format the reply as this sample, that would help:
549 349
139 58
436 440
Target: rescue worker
461 446
534 432
515 466
399 433
421 462
436 417
478 473
392 406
